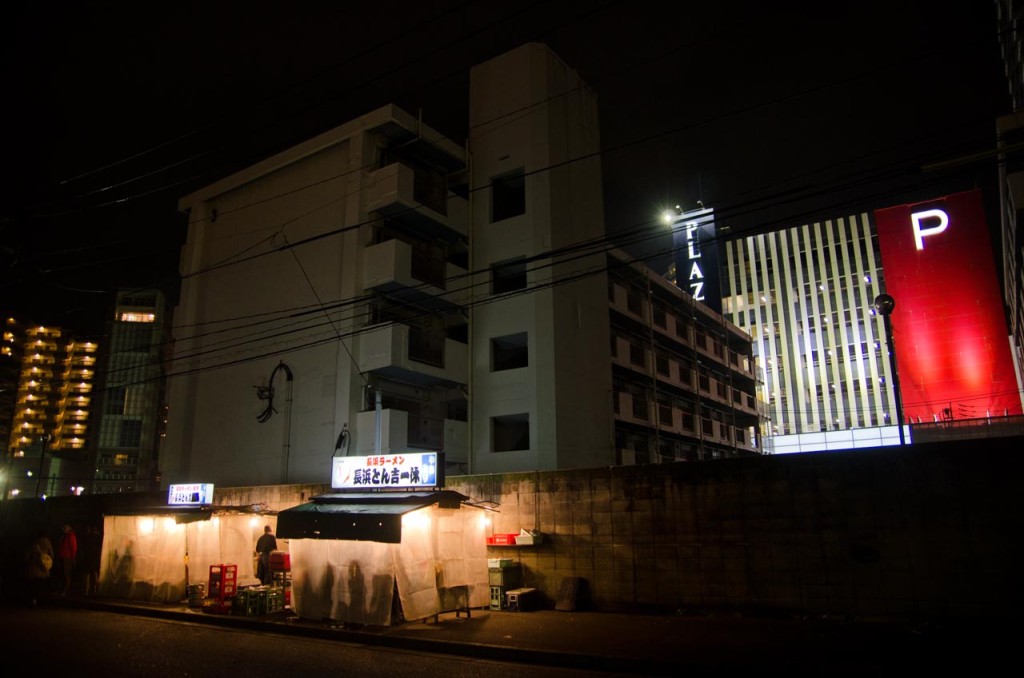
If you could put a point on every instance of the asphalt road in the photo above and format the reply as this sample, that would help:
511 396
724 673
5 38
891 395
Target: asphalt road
58 640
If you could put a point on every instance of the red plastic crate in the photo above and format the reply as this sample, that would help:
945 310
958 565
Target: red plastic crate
501 540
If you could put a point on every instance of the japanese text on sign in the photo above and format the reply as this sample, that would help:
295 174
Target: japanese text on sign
193 494
392 471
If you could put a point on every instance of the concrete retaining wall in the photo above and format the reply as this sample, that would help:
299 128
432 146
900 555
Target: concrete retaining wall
923 532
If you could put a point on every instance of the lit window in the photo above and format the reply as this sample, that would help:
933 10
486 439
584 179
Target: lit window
129 317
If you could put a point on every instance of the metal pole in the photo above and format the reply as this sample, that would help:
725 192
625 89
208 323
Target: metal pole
378 408
42 458
895 375
885 304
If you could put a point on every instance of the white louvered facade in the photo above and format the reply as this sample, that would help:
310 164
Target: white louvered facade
805 295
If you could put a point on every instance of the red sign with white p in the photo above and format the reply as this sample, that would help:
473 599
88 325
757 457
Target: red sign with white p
952 345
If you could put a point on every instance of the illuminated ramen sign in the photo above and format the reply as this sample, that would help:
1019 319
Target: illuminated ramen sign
396 471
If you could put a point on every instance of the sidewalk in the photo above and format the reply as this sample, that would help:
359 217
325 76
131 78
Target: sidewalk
645 644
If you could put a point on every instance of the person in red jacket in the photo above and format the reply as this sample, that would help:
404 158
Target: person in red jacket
67 550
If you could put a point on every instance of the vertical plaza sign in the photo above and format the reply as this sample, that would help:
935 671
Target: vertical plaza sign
952 345
696 256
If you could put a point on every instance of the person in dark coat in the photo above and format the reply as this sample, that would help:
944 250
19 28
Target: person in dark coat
264 546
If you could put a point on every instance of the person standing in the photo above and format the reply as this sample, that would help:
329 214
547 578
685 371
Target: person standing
264 546
67 551
92 547
38 562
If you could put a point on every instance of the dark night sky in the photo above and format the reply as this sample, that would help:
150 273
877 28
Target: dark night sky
769 112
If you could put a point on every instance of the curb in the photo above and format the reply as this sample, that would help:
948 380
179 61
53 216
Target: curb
307 629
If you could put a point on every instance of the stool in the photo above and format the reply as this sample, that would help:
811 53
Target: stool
514 603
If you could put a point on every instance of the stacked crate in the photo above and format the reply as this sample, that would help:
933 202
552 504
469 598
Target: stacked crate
258 601
502 574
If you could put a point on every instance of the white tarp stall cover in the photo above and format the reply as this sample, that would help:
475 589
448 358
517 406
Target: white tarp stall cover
143 555
438 563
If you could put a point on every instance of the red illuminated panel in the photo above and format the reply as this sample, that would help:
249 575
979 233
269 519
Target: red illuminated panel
952 346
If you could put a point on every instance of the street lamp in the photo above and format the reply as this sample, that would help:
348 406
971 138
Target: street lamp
885 304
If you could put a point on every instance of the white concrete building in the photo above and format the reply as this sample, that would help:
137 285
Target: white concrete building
468 286
309 281
536 191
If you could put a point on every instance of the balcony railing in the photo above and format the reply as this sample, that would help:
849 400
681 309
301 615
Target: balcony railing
403 352
426 349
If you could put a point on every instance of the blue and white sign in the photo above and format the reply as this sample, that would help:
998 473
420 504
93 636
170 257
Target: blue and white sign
192 494
396 471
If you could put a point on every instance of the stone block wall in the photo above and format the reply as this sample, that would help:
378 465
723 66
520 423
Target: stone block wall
268 497
920 532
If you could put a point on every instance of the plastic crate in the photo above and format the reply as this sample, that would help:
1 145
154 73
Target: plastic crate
501 540
244 603
280 560
507 577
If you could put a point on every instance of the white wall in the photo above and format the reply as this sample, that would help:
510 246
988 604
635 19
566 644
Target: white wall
553 120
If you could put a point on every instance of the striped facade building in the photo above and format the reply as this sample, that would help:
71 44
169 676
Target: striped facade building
806 296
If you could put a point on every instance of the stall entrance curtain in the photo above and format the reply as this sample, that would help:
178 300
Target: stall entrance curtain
440 564
144 556
359 516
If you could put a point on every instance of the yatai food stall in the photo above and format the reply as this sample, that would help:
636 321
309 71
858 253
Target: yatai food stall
387 544
153 554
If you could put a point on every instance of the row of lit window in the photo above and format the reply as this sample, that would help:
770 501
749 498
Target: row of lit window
130 317
33 331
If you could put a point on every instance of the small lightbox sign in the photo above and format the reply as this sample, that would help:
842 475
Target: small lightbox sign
193 494
412 470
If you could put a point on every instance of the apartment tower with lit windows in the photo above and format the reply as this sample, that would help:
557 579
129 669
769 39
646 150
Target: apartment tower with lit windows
49 425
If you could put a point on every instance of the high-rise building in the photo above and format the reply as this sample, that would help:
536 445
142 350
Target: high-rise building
1009 138
1010 31
381 288
807 295
49 427
130 401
